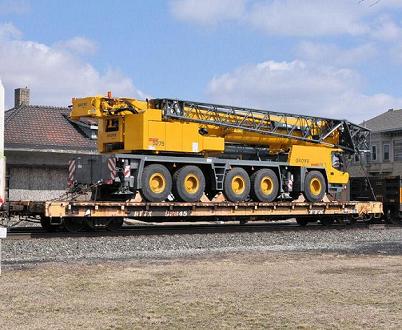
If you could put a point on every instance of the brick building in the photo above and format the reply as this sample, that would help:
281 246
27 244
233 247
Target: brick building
385 157
39 142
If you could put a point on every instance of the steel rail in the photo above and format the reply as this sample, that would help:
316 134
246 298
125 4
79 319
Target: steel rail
188 229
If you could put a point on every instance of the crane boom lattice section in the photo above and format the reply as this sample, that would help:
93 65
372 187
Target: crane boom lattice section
350 137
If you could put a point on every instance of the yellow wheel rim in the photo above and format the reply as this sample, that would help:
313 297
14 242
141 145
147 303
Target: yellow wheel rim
157 183
238 185
191 184
266 185
315 186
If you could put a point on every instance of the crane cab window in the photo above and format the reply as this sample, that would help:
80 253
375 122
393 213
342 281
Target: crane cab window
338 161
112 125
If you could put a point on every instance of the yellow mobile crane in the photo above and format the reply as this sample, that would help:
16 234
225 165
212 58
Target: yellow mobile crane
183 150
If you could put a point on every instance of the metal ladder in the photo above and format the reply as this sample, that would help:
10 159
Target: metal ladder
352 138
219 172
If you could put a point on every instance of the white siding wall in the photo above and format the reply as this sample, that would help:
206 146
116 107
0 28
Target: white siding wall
37 183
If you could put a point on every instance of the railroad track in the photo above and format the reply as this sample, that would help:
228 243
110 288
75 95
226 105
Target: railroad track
169 229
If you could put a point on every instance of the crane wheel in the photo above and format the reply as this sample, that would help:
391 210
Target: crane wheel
188 183
314 186
156 183
264 185
237 185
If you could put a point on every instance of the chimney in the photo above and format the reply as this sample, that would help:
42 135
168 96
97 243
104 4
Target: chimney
21 97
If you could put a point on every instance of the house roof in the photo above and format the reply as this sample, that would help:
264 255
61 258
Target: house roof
387 121
44 127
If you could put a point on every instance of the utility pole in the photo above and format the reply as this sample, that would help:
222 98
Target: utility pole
3 231
2 158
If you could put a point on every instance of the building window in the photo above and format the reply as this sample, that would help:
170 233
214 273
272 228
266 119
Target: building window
386 151
397 149
373 152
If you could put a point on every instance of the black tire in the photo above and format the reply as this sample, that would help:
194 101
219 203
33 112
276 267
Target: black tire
236 186
314 186
188 184
161 176
264 185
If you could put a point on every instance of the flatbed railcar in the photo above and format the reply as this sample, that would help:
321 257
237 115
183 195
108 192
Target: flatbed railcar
385 189
76 215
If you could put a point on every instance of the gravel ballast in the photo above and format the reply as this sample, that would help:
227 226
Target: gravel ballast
386 241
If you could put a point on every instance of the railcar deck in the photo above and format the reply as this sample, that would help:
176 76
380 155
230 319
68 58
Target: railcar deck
195 211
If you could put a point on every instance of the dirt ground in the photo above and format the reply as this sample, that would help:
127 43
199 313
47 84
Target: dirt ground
250 290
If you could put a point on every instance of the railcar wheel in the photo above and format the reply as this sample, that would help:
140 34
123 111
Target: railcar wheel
392 217
189 183
45 223
114 224
156 183
264 185
327 221
73 225
236 186
302 222
314 186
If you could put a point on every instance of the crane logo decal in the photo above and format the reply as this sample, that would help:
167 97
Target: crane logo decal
156 142
302 161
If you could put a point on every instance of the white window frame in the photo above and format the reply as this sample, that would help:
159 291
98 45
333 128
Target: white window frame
374 154
389 152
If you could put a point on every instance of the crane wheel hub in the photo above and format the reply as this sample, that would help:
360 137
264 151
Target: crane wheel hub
157 183
191 184
266 185
238 185
315 186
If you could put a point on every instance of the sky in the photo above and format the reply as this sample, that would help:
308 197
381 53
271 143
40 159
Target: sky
340 59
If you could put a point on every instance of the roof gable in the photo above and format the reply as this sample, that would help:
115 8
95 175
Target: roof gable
387 121
43 127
